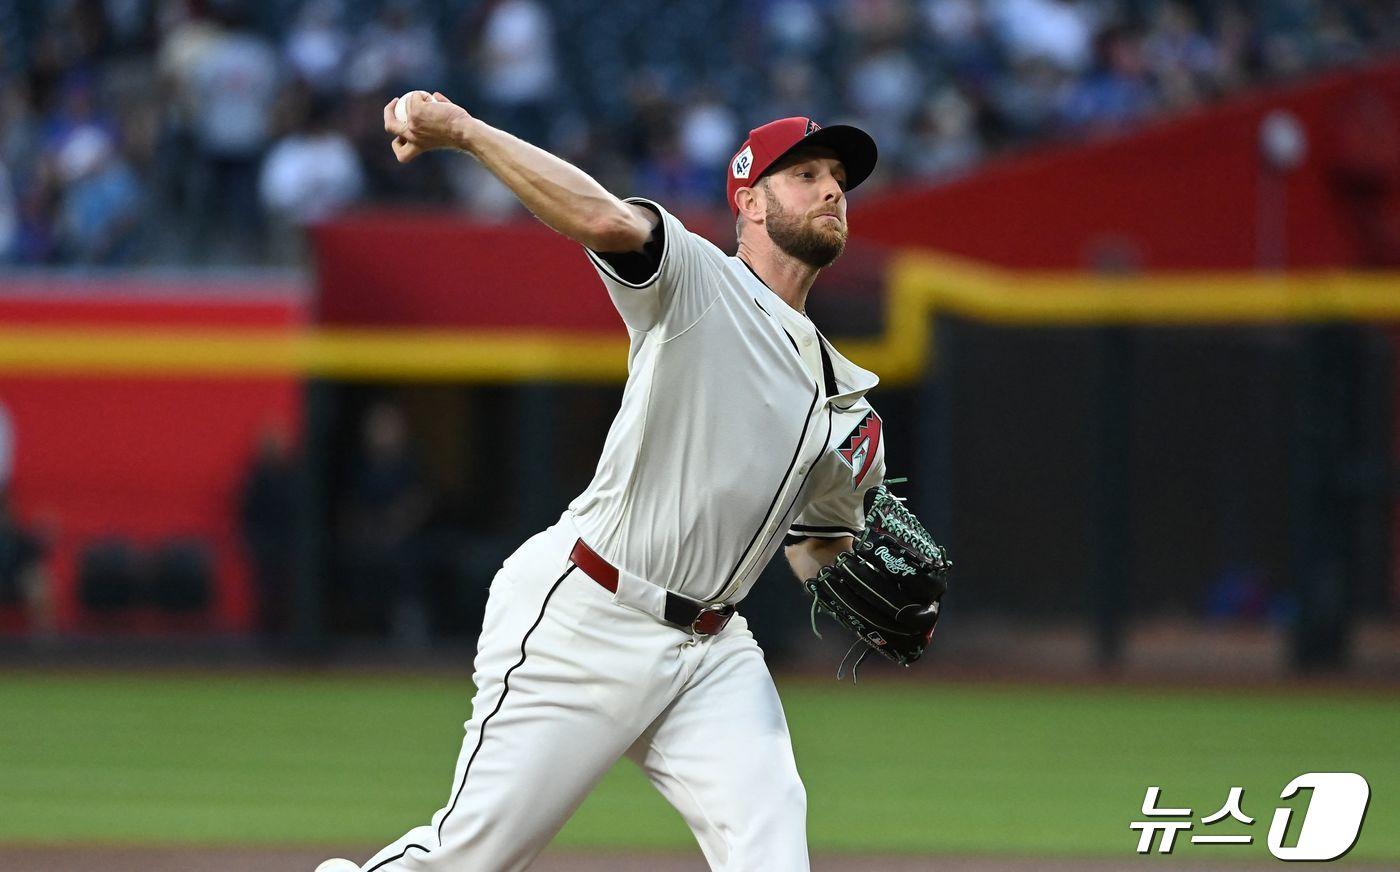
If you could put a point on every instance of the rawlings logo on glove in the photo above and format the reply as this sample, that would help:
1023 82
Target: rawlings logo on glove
894 564
891 603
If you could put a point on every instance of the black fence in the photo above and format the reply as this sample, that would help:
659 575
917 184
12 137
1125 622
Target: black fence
1099 475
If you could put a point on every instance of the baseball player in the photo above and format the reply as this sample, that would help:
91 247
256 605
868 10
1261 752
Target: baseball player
614 632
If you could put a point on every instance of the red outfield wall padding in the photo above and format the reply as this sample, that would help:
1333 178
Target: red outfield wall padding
403 269
410 269
167 312
146 459
1186 193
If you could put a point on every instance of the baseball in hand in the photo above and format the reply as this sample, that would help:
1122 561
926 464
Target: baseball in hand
401 108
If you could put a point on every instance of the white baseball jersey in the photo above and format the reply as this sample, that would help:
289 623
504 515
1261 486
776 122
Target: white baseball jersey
739 423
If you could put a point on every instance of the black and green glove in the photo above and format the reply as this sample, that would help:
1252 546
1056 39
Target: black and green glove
888 588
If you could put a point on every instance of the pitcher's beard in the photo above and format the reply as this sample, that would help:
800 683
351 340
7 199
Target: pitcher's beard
811 245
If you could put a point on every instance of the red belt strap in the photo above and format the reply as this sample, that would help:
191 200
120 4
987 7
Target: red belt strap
594 567
703 619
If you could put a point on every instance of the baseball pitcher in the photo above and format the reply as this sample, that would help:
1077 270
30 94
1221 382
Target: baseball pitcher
742 429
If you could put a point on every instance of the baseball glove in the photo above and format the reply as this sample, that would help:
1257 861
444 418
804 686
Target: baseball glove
887 589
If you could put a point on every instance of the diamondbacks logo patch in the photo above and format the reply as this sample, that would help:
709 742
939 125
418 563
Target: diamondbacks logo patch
812 127
861 446
743 162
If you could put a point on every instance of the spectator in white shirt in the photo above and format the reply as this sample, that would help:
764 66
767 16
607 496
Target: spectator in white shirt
310 174
317 46
234 84
517 67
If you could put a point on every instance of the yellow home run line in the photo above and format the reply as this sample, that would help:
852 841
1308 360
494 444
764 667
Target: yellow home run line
922 283
921 287
356 355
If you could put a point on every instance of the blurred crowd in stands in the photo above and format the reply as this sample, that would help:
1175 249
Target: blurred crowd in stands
204 131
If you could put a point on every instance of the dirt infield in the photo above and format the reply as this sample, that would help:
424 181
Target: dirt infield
301 860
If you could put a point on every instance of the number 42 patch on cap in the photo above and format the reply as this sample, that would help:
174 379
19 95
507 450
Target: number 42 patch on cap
743 163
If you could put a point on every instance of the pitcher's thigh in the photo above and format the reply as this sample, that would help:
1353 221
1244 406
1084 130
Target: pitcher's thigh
721 754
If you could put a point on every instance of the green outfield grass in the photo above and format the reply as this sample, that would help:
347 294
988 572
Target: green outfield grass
889 767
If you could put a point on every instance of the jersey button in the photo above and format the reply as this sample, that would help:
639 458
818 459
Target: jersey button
802 470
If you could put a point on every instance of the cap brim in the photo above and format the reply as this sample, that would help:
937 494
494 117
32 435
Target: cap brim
854 148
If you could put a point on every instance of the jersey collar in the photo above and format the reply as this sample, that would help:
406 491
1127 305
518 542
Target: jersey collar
852 382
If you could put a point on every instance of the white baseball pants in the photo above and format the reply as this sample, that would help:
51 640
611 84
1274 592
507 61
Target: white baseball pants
567 682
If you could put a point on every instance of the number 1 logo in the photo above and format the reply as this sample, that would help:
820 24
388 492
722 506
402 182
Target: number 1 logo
1332 821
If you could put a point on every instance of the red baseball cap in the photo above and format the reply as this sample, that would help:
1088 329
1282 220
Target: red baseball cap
766 145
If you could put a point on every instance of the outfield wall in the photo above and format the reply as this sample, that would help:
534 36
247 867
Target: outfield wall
147 451
137 408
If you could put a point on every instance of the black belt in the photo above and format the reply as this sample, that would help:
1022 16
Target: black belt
702 619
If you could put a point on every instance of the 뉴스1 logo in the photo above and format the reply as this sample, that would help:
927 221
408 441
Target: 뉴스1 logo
743 162
893 562
1330 827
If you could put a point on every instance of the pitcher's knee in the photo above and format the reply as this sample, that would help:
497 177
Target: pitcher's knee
780 807
795 802
773 833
